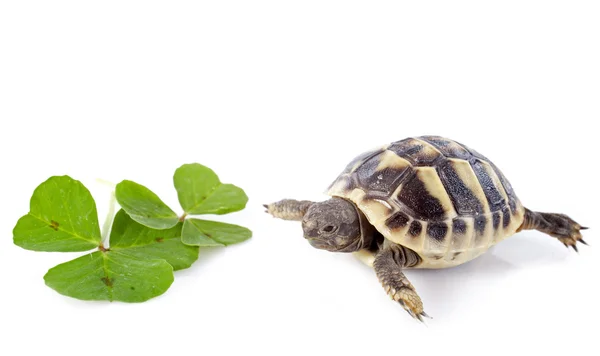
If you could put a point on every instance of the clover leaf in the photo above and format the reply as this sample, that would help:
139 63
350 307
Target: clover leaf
212 233
144 206
136 240
112 276
62 218
200 191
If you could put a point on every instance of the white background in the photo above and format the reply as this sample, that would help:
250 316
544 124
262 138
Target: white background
276 97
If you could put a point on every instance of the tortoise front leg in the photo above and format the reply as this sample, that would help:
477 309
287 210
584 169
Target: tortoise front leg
288 209
388 265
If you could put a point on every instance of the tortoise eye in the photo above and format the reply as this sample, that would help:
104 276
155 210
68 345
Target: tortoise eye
329 228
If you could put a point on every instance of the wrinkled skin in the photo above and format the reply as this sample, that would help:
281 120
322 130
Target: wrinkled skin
335 225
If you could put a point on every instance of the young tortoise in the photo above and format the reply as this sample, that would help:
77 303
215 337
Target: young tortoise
425 202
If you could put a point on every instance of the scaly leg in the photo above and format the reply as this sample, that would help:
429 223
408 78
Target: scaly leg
560 226
388 265
288 209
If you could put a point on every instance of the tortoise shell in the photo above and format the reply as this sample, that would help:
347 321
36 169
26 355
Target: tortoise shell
443 200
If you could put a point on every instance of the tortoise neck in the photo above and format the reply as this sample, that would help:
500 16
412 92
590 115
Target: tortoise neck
368 233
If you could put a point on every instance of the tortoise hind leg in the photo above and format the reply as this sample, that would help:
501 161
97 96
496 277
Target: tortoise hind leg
388 265
565 229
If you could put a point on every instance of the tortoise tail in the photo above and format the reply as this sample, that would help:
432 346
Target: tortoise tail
565 229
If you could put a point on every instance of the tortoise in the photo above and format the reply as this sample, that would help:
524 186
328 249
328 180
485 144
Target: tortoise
421 202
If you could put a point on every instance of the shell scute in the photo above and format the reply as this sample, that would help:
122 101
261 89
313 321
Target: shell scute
449 148
437 230
462 187
358 160
418 152
415 196
398 220
415 228
490 185
382 172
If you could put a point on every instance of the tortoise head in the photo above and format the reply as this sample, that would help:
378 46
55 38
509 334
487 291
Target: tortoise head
336 225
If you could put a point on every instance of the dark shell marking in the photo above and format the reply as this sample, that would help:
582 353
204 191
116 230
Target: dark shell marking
397 221
448 148
415 228
512 197
505 217
465 202
385 180
414 196
459 226
437 230
459 232
480 224
495 199
361 158
496 220
418 152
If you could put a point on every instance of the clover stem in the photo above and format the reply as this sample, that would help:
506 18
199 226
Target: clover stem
108 220
106 183
182 217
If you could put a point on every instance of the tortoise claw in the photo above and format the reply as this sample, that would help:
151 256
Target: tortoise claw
571 234
419 317
425 315
412 311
